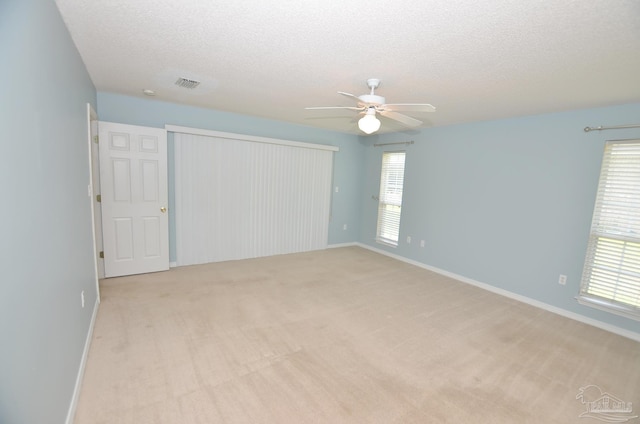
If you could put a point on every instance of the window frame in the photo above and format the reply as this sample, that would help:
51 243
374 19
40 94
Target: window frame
612 261
390 199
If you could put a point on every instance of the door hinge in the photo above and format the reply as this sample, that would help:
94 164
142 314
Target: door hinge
101 254
96 139
98 198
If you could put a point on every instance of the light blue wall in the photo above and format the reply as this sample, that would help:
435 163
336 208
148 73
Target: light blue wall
347 174
45 218
506 203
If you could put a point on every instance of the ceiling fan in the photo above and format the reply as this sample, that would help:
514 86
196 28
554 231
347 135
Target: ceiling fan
370 104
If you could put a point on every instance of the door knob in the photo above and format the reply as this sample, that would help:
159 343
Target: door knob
163 209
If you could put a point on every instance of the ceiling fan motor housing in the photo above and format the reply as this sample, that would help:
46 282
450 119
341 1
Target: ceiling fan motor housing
372 99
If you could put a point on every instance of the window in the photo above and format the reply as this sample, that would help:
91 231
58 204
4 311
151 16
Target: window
611 277
390 199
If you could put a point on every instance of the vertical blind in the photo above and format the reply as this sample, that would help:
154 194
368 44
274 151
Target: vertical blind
239 199
611 276
390 199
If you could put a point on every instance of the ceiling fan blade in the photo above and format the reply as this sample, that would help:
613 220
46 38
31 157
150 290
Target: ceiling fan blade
404 119
351 96
334 107
409 107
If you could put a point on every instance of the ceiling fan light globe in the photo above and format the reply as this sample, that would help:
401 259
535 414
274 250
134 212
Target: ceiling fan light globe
369 124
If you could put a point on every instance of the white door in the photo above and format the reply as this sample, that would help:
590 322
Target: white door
133 182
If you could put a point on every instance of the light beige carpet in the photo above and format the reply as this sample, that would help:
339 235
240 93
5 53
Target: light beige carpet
339 336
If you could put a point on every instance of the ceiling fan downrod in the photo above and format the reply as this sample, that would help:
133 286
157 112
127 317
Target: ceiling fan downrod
373 83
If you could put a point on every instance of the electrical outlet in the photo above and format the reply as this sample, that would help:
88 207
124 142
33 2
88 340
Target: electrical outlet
408 239
82 298
421 243
562 280
337 189
344 227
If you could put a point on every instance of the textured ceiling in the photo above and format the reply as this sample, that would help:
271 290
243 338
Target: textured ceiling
473 60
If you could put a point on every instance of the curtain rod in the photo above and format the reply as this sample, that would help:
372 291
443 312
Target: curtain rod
390 144
601 128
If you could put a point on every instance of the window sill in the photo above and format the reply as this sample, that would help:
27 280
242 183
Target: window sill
608 306
387 243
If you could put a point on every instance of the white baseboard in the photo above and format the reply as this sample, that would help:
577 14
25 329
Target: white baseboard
334 246
83 362
173 264
554 309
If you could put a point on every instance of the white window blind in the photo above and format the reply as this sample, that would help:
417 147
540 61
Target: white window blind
611 276
390 199
239 198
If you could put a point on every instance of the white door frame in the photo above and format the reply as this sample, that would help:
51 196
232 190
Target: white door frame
94 169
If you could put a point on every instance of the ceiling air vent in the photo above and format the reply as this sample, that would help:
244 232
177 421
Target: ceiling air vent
187 83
